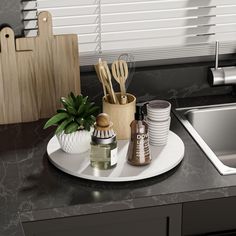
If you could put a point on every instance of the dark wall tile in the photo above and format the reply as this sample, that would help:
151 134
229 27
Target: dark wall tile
10 14
166 82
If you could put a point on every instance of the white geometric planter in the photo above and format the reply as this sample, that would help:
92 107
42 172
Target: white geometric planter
76 142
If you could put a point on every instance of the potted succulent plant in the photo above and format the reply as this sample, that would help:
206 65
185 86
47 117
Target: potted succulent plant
74 123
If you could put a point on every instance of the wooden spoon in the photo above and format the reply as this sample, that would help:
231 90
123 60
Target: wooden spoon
106 74
120 73
98 72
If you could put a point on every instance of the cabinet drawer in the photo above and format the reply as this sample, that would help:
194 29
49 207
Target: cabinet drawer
209 216
161 221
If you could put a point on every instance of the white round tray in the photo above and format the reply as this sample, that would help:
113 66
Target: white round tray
164 158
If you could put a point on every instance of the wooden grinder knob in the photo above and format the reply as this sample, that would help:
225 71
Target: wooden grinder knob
103 122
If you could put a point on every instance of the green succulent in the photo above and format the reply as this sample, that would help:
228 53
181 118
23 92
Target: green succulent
78 113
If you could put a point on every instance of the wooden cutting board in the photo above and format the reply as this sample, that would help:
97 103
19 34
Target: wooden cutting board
56 62
17 82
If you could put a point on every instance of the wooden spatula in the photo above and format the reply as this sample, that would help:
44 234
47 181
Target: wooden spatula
98 72
106 75
120 73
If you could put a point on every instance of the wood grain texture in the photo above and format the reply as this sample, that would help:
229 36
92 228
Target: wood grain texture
121 115
2 100
67 77
120 73
9 77
27 86
17 78
56 64
98 72
37 74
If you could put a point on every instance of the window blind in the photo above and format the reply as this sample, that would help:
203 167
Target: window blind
150 30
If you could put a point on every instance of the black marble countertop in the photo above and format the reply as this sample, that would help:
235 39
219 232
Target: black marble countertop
31 188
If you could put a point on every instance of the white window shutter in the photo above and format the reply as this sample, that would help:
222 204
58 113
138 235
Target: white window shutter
150 30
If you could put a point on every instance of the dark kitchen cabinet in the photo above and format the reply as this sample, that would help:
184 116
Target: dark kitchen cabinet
210 217
153 221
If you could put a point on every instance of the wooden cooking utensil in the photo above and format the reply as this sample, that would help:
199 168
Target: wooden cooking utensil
106 84
17 82
98 72
56 64
106 75
106 87
120 73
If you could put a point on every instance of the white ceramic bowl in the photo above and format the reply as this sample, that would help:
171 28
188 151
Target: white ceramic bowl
158 125
158 110
158 128
158 132
160 139
155 122
158 117
155 112
158 144
159 105
158 135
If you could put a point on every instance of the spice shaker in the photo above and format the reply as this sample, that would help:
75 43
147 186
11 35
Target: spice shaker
103 153
139 149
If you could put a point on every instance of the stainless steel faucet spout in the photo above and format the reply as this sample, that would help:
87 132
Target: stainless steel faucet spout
222 75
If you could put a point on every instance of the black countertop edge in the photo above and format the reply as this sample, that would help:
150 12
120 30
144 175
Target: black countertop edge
102 207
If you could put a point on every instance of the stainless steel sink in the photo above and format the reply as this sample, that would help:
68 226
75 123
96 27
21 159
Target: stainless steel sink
214 129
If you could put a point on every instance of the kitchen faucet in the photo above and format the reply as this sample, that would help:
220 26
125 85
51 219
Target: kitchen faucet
222 75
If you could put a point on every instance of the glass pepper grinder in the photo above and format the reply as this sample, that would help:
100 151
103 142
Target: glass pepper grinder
103 153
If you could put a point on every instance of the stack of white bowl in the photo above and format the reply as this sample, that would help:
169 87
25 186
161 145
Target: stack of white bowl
158 119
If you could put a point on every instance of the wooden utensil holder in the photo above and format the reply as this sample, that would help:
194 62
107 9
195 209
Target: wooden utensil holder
121 115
